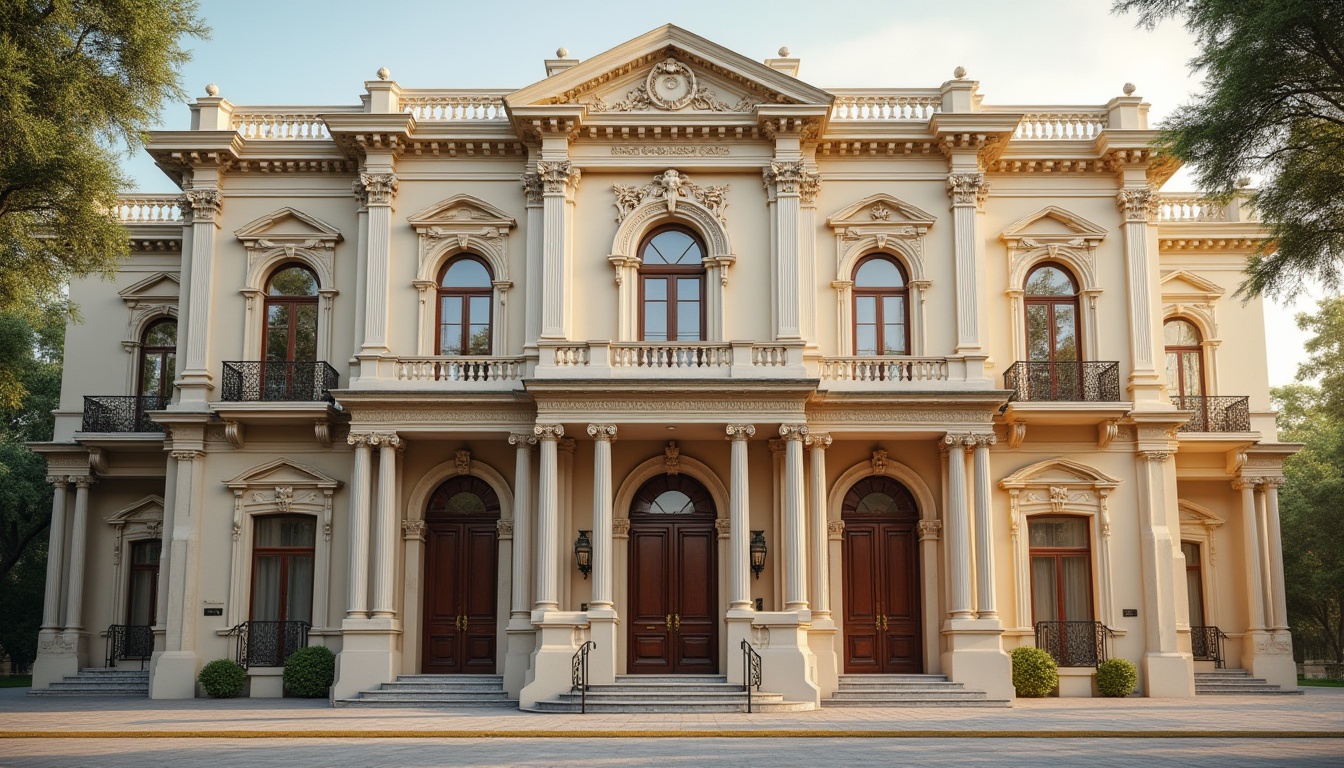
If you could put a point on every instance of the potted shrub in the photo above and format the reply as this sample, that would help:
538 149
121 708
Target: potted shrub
223 679
1117 678
1034 672
310 671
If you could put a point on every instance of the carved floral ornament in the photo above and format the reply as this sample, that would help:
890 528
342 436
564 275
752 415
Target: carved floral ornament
669 85
968 189
556 176
379 188
670 186
201 204
789 178
1138 204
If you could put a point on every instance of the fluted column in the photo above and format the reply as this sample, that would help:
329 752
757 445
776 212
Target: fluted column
361 478
1138 207
385 531
532 289
548 518
379 189
604 434
739 514
522 522
51 602
203 207
795 530
1276 580
79 531
1266 567
984 531
958 526
817 530
967 191
559 180
786 180
1251 563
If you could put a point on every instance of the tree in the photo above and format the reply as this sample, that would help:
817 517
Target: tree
1273 105
77 80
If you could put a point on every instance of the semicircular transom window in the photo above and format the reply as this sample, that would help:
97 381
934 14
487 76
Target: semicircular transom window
880 497
668 495
881 307
672 286
465 295
463 496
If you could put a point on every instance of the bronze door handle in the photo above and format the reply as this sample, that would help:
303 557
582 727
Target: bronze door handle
668 620
676 621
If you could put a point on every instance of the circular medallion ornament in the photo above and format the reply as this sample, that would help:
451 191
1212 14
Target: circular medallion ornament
670 84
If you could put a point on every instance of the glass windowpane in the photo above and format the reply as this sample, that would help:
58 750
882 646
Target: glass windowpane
655 288
305 332
293 281
1064 532
299 588
480 309
688 321
266 588
277 332
865 342
865 309
450 339
688 289
466 273
655 320
1191 382
1066 333
479 341
1038 332
878 273
1077 588
1044 590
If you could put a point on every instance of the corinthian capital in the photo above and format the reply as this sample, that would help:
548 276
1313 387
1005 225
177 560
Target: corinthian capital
968 189
557 176
201 204
379 188
1138 204
792 178
532 187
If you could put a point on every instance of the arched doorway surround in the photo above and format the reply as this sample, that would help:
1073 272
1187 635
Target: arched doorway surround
880 566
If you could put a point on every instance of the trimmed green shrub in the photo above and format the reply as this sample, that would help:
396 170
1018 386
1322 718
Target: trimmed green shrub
223 679
1117 678
310 671
1034 672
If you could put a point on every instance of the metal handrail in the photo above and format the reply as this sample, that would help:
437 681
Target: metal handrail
1206 644
1074 643
579 674
277 381
751 671
268 643
127 642
1063 381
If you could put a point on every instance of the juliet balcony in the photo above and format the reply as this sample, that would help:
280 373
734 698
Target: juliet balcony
271 381
123 414
1214 414
1063 381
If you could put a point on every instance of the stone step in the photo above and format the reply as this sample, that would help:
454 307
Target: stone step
114 672
902 686
420 701
690 699
1248 692
675 689
77 690
658 706
919 693
916 701
467 696
414 686
892 678
698 679
466 679
1222 674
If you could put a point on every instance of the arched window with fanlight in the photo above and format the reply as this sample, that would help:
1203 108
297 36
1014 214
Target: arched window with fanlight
1185 358
1054 344
464 309
158 356
881 307
672 285
291 315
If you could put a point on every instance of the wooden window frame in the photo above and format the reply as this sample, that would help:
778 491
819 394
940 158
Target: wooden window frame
285 554
147 351
291 304
135 568
671 273
858 292
1058 554
1198 349
466 294
1028 300
1198 567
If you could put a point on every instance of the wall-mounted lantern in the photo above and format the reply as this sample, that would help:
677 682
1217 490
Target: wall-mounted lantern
757 552
583 553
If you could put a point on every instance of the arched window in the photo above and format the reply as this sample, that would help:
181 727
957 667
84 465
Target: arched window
881 307
1061 589
672 285
1051 298
1185 358
465 288
282 587
291 315
158 355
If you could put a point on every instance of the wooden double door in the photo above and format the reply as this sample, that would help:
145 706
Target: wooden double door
883 631
673 580
461 588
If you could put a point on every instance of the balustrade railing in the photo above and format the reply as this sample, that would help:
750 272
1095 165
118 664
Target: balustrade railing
884 368
1186 207
1063 381
128 642
1214 413
886 104
670 355
463 368
1206 644
147 209
269 643
751 671
285 123
579 674
121 413
442 106
1074 643
277 381
1061 124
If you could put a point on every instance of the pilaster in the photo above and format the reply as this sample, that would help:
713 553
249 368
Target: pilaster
788 180
379 187
559 180
201 206
1166 670
1138 208
968 191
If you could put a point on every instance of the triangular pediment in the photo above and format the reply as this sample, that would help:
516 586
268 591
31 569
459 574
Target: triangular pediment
880 210
146 510
1192 513
1053 225
462 211
1183 284
282 472
158 288
1059 471
288 226
688 74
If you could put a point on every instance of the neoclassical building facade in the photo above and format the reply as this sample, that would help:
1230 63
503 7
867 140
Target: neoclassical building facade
669 351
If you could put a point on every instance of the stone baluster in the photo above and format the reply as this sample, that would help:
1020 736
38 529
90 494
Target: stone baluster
548 518
795 530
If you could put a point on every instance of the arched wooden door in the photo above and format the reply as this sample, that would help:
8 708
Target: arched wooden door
674 622
461 562
883 632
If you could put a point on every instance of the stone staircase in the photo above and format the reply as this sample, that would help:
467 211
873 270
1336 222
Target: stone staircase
445 691
907 691
99 681
1235 682
687 694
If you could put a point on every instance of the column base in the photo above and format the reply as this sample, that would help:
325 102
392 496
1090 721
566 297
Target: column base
737 628
787 663
1271 658
370 655
558 634
602 624
821 640
172 675
521 639
975 657
1169 675
57 657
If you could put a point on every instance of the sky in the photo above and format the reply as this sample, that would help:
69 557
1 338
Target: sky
1021 51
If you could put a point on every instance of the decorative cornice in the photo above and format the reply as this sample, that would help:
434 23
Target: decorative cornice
670 185
741 431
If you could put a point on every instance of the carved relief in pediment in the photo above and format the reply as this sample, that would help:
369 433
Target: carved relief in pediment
668 85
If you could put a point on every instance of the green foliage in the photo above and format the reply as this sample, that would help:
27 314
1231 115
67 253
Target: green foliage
1273 104
1117 678
223 679
1034 672
310 671
76 80
1325 352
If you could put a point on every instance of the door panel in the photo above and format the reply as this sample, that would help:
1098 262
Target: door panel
695 623
883 622
901 598
673 578
861 612
460 583
650 600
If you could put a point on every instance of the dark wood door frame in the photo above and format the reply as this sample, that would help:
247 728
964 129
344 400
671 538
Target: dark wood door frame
883 618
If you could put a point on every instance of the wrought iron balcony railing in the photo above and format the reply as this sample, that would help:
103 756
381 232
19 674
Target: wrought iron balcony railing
128 642
269 643
1206 644
121 413
270 381
1215 414
1063 381
1073 643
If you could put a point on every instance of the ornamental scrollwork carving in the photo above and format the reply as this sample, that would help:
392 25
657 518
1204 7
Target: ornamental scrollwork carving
523 439
818 440
557 175
968 189
532 187
723 526
672 458
792 178
620 527
462 461
602 431
671 186
740 431
379 188
793 431
413 530
549 431
879 461
835 529
929 529
1138 204
670 85
504 529
201 204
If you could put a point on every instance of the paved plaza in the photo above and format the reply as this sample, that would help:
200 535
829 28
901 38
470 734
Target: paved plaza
1208 731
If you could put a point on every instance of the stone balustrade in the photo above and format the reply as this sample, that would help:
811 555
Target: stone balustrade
284 123
147 209
1057 123
737 359
454 105
1189 207
468 369
886 104
883 369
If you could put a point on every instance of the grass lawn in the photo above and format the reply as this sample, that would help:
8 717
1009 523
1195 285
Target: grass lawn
1321 683
17 681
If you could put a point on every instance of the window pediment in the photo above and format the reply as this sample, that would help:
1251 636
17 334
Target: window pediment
1052 226
881 213
158 288
461 212
1044 474
1183 285
145 515
290 229
285 473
